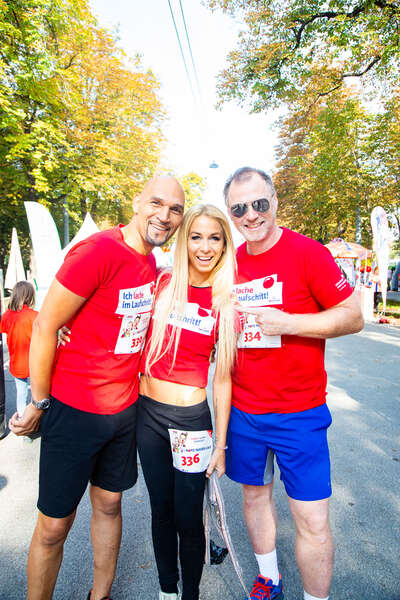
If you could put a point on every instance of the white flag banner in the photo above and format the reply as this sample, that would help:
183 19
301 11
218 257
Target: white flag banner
15 270
88 227
380 230
46 246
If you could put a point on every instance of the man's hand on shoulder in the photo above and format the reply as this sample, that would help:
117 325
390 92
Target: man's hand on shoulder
28 423
272 321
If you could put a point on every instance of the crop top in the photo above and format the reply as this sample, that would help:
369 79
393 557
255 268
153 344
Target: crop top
199 333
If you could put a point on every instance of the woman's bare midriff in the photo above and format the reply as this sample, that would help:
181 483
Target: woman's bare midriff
169 392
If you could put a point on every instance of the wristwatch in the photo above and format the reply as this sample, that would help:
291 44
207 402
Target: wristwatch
42 405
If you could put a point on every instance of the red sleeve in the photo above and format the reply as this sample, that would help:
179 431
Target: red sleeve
3 323
84 267
327 284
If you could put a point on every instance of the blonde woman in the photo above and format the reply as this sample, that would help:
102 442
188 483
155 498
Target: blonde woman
193 310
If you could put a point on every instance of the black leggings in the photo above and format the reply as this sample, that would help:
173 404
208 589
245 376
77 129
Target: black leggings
176 498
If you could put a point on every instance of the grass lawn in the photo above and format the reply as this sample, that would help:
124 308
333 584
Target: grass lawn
392 312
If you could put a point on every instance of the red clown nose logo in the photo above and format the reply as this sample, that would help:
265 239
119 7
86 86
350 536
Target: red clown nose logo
268 282
202 312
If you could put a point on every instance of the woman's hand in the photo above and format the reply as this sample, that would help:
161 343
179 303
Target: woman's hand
63 335
217 462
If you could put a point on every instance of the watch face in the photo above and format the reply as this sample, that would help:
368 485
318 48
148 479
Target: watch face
43 404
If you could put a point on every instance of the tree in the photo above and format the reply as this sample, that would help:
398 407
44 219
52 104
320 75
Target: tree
327 177
193 186
387 136
29 106
289 47
79 125
113 128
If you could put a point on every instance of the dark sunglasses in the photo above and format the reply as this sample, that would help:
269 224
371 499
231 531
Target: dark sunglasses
260 206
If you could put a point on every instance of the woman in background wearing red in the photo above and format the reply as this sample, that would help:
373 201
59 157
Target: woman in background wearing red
17 324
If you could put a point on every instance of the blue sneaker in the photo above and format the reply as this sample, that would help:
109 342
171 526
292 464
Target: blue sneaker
264 589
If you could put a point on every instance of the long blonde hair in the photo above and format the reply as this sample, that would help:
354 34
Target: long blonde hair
174 296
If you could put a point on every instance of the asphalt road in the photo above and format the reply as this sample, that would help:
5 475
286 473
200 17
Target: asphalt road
364 397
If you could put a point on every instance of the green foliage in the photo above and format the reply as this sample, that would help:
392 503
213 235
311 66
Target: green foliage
336 160
335 165
290 47
79 124
193 186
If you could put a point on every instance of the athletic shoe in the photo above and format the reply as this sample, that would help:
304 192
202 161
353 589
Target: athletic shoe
264 589
105 597
164 596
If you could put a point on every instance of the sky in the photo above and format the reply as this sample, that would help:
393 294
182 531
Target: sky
197 137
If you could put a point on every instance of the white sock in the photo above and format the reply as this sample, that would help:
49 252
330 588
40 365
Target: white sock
309 597
268 566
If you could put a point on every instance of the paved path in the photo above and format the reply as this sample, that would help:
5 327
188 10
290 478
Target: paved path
364 397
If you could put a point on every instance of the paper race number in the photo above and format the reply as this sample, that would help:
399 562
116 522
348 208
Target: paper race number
265 291
252 336
191 450
134 304
132 333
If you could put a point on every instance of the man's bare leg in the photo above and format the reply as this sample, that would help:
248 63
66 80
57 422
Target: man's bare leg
260 515
45 555
314 545
106 530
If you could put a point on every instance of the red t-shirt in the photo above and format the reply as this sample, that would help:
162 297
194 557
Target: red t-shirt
17 324
197 339
98 370
284 374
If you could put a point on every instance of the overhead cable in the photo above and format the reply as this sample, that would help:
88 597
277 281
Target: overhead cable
181 49
190 50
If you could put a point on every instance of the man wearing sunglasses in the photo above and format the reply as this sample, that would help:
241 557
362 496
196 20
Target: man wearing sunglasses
279 384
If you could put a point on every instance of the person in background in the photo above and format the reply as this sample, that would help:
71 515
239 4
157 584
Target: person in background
389 277
17 324
394 282
376 282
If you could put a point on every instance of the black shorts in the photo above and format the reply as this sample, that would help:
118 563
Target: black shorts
78 447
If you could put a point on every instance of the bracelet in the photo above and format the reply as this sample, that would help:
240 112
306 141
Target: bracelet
221 447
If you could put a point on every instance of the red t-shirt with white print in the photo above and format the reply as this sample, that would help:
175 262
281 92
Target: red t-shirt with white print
97 371
198 336
284 374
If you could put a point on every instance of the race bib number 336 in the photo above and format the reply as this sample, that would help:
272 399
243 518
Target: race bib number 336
191 450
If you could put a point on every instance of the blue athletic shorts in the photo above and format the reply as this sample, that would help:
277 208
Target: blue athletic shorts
298 441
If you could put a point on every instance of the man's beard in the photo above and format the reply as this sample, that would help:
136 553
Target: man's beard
156 242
